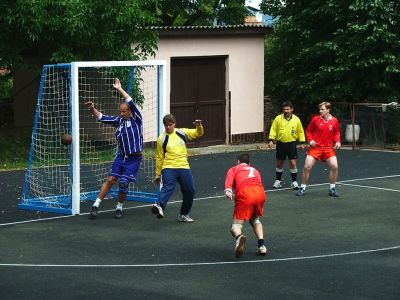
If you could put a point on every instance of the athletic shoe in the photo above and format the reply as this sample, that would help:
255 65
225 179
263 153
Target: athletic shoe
301 192
118 214
295 185
277 184
157 210
333 193
184 218
93 212
241 240
262 250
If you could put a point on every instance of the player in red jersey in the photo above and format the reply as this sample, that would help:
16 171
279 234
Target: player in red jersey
323 135
249 202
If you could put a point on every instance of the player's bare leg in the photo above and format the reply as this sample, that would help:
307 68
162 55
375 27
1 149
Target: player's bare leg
236 232
333 174
333 169
279 163
259 232
105 188
308 165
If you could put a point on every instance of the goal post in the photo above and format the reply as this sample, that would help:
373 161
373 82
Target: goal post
58 177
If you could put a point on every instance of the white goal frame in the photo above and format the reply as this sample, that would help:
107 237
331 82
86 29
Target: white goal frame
75 124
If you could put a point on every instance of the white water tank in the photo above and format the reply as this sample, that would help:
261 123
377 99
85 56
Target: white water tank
349 133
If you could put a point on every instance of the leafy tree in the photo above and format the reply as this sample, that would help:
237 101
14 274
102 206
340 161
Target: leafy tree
37 32
201 12
341 50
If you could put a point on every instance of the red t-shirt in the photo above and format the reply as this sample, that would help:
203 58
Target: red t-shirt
242 176
324 133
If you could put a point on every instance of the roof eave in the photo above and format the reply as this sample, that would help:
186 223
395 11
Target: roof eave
213 31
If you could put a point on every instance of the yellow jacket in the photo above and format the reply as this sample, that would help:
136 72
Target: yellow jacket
175 156
287 131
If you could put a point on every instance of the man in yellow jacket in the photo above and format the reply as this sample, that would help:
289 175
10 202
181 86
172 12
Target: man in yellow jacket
172 166
286 129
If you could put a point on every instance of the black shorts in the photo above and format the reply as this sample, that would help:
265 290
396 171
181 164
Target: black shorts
284 150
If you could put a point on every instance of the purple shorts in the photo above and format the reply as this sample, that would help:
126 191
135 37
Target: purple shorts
126 167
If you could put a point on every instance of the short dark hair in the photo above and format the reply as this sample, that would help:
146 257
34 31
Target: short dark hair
287 103
244 158
169 119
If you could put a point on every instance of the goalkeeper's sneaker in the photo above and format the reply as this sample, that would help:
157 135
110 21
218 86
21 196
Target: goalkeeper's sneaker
301 192
333 193
295 185
277 184
118 214
93 212
239 248
184 218
157 210
262 250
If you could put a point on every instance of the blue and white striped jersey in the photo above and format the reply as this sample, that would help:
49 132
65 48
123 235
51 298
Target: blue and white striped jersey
129 133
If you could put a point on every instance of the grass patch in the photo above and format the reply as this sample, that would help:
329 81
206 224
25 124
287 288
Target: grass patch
14 145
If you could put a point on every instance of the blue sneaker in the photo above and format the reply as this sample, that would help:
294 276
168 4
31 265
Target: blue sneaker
301 192
333 193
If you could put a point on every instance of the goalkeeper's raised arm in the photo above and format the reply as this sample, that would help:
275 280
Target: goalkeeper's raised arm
92 109
117 85
132 106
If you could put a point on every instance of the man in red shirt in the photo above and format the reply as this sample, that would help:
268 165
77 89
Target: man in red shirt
323 135
249 202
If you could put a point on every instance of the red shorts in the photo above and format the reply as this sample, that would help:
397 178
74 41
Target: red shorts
321 153
249 203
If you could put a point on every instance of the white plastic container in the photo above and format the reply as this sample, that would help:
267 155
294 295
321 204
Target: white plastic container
349 133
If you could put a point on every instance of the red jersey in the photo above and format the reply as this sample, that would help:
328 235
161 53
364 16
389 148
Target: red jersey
324 133
242 176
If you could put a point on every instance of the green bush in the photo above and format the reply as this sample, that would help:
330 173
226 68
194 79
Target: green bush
5 88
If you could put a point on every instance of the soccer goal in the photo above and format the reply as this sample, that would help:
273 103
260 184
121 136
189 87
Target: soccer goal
58 176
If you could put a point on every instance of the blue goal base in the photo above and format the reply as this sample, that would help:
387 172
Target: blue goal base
62 204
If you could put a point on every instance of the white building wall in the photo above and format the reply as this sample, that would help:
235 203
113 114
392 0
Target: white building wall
245 73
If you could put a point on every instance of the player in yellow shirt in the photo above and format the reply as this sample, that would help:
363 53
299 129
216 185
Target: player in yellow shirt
286 129
172 166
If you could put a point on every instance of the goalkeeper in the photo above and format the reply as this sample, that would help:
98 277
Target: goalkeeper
249 202
129 135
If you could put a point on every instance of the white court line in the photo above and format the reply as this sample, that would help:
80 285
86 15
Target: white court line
371 187
369 178
207 263
197 199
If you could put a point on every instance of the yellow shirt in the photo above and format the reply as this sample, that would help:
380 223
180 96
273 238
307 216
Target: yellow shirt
176 154
287 131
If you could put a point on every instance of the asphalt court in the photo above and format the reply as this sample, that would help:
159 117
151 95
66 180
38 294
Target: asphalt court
319 246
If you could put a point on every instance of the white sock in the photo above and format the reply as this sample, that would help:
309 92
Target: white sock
332 186
119 206
303 186
97 202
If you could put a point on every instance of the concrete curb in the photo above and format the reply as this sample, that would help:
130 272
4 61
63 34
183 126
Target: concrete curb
226 149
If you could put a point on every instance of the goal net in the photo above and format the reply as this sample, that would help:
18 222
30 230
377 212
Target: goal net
369 125
59 177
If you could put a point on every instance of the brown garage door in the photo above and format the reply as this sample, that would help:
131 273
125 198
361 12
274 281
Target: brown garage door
198 92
